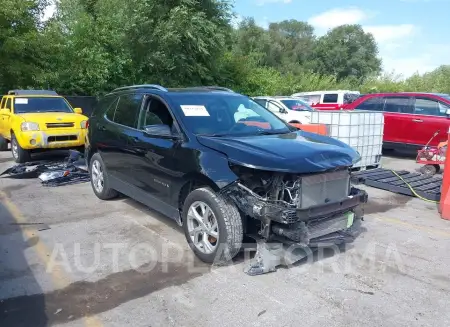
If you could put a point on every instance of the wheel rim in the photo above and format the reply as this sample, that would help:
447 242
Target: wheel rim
14 149
203 227
97 176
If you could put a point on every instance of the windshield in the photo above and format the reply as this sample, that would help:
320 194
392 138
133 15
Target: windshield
226 115
44 104
297 105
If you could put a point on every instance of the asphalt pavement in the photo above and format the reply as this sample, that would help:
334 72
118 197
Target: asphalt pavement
68 258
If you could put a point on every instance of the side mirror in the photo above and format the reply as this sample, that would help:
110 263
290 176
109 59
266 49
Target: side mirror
283 111
159 130
78 110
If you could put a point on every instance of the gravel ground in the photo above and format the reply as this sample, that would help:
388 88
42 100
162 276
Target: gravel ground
67 258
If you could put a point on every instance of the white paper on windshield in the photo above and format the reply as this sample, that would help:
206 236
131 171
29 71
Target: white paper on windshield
21 101
199 111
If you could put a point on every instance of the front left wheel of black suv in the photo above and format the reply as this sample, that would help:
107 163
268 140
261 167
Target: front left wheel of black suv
212 226
99 179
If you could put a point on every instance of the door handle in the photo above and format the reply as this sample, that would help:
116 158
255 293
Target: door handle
101 127
417 120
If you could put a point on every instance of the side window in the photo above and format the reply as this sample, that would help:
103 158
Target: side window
103 106
2 102
127 109
8 104
110 109
274 107
398 104
262 102
429 107
373 104
155 113
330 98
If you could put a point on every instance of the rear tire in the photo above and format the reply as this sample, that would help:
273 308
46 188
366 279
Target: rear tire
217 245
3 144
99 179
20 155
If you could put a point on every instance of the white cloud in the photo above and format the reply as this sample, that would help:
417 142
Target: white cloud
264 2
385 33
434 56
339 16
399 44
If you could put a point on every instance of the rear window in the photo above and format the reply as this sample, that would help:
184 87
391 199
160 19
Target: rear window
428 107
373 104
330 98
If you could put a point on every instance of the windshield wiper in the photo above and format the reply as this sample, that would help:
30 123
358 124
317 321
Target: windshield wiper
262 132
213 135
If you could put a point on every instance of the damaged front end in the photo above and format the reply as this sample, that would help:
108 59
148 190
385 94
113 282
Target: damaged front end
295 211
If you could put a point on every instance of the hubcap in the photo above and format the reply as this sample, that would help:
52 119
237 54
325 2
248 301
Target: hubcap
202 227
97 176
15 149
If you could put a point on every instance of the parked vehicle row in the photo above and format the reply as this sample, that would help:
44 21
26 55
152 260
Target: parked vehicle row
411 119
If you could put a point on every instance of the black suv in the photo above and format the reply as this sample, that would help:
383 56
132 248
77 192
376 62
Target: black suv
223 167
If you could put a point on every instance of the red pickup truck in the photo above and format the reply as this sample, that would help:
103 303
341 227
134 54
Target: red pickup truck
410 119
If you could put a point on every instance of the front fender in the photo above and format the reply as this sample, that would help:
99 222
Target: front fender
215 166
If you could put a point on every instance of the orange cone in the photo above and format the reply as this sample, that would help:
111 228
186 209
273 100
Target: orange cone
444 204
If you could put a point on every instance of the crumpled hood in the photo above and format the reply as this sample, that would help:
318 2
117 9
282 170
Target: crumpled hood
296 152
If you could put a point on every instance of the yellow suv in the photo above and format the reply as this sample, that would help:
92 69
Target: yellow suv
35 120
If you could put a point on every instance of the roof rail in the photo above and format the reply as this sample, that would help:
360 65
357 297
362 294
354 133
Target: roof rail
142 86
32 92
218 88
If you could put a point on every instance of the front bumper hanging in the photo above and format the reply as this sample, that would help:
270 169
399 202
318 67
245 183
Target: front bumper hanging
319 226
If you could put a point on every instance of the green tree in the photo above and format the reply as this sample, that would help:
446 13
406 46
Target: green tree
347 51
21 51
291 45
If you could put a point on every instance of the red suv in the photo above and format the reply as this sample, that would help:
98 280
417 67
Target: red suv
410 119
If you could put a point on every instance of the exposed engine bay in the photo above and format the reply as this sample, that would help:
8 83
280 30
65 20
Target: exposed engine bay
306 210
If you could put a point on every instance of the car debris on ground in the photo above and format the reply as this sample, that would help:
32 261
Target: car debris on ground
71 170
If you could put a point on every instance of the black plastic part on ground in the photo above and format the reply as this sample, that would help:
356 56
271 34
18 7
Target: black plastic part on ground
73 167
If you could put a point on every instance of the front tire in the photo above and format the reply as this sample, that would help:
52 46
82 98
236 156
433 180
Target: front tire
20 155
212 226
99 179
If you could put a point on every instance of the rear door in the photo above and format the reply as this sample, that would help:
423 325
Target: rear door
430 117
399 120
115 133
